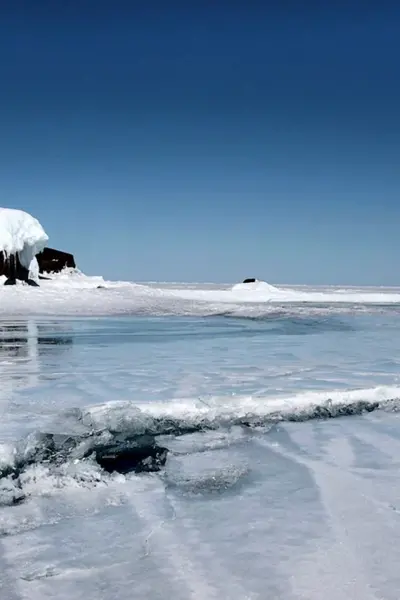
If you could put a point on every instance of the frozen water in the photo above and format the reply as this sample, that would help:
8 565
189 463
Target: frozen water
281 421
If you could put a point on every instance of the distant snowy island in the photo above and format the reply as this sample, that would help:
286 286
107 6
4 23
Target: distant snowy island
23 251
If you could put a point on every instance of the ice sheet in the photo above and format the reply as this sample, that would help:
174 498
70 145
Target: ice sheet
268 495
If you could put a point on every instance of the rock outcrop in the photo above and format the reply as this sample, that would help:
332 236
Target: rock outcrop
49 261
54 261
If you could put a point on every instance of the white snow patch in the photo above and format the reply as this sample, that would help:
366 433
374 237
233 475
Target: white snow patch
22 234
256 286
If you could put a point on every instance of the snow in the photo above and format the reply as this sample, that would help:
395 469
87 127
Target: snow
22 234
256 286
72 292
263 292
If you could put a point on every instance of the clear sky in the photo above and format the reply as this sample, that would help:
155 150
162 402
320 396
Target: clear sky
207 141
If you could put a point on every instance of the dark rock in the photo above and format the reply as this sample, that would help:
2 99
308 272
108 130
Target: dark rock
250 280
54 261
12 268
13 281
49 261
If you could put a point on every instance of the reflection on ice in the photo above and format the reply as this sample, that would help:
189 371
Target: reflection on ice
29 338
26 342
24 347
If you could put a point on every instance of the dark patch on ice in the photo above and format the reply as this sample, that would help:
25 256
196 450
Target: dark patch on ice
121 453
124 457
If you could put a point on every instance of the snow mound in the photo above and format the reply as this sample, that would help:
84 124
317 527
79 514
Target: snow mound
256 286
71 278
21 234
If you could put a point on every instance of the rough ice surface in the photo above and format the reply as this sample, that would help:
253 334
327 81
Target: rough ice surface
280 410
22 234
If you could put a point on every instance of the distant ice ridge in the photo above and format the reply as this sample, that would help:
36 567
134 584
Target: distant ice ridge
262 292
71 292
22 234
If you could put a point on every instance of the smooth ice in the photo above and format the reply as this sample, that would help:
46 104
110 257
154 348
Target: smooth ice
283 508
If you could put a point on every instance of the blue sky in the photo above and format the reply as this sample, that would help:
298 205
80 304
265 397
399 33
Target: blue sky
205 141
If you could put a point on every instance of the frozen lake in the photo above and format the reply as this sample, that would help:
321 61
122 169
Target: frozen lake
261 495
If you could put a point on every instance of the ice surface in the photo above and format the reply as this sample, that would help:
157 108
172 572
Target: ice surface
22 234
282 423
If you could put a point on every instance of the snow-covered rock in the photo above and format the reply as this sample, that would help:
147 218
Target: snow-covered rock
23 235
255 286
